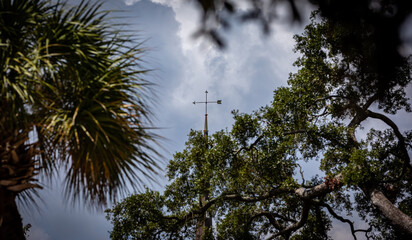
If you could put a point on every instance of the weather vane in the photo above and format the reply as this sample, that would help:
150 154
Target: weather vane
205 132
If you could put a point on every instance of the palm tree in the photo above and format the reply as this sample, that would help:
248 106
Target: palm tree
72 97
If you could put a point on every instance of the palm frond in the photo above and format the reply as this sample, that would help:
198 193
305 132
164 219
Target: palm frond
100 123
80 83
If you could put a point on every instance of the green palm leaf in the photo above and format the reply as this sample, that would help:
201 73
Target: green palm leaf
78 83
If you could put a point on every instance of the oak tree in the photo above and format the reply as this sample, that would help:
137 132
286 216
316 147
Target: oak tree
253 172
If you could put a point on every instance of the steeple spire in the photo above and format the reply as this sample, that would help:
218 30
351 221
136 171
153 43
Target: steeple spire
206 130
206 221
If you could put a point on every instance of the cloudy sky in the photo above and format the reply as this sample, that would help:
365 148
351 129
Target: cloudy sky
243 76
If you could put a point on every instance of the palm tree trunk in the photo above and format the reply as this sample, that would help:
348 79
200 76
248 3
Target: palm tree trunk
11 225
17 170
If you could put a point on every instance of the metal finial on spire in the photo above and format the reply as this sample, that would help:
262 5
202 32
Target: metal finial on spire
205 131
206 222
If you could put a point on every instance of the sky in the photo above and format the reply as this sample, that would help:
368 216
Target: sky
243 76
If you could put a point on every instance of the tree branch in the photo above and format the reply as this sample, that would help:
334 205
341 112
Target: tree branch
396 216
398 134
319 190
229 197
269 216
360 114
307 194
250 146
370 101
291 228
342 219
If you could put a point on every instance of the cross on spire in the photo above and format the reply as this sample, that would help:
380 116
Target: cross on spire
205 131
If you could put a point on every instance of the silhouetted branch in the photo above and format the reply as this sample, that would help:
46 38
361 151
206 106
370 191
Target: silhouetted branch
345 220
291 228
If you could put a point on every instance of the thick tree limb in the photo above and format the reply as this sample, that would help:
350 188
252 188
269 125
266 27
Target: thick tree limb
291 228
386 207
386 120
370 101
360 114
321 189
398 134
228 197
397 217
363 113
307 194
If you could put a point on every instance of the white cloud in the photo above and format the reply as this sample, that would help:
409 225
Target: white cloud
233 72
131 2
169 3
244 75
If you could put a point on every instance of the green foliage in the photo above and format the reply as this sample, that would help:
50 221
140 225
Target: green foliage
316 227
76 83
251 173
140 210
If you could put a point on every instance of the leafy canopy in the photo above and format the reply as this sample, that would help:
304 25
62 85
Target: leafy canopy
252 172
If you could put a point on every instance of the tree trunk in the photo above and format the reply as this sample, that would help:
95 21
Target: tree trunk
17 170
205 222
396 216
11 225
